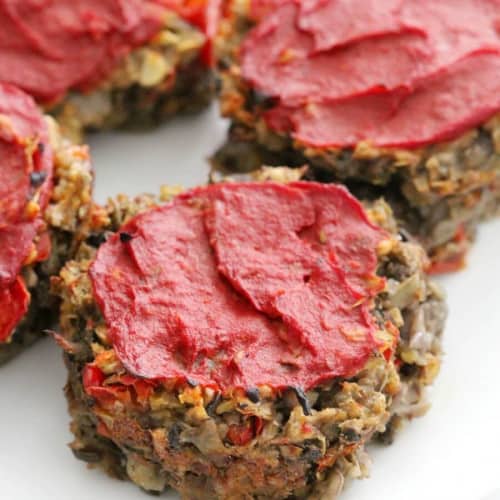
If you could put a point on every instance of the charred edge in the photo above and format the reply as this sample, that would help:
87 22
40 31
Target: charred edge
223 64
311 477
253 394
212 406
37 178
405 235
218 85
125 237
96 239
350 435
258 98
302 399
174 437
408 370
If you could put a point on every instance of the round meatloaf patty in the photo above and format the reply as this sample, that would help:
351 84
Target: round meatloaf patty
245 340
394 99
45 198
108 63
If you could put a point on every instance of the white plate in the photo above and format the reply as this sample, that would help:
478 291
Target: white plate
452 453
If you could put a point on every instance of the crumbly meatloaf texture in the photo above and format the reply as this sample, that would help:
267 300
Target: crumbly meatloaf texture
439 193
66 216
260 443
165 77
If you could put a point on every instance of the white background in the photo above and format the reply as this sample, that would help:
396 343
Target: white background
452 453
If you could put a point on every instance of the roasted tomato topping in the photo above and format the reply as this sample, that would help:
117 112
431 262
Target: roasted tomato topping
240 285
402 73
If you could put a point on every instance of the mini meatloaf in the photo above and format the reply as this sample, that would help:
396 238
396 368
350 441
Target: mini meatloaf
245 340
45 194
105 63
395 97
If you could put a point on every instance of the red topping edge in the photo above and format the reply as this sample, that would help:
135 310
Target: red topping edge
240 285
14 302
25 174
397 73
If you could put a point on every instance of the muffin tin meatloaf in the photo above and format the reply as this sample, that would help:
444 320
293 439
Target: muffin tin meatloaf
105 63
396 97
245 340
45 195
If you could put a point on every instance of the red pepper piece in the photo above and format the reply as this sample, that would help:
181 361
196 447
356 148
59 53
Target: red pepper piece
240 435
92 377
